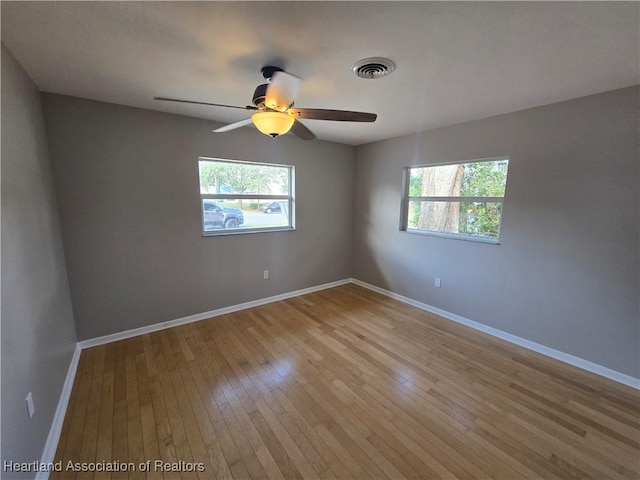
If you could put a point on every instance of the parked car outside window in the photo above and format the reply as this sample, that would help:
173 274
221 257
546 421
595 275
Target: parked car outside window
273 207
216 215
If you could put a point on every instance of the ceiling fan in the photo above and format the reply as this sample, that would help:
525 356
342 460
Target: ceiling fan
273 106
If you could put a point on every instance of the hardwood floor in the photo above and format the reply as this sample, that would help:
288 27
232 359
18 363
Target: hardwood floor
343 383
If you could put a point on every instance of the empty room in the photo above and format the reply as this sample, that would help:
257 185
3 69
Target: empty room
320 240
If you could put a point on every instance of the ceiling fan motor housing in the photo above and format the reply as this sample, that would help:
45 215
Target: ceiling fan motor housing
268 71
260 95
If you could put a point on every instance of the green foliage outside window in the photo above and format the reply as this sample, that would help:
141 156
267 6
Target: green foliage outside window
228 177
477 179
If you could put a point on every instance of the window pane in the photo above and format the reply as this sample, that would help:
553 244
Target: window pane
484 179
474 179
481 219
244 213
242 178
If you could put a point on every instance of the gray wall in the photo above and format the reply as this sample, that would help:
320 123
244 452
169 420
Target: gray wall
566 272
127 185
38 336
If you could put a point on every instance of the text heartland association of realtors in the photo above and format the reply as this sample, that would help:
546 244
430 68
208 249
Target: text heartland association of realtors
115 466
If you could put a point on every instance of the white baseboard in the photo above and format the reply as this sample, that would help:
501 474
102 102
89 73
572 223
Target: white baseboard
51 445
49 452
92 342
522 342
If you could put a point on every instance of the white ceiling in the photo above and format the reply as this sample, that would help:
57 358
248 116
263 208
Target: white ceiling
456 61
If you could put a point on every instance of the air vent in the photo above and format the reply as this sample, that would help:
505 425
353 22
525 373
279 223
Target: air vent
374 67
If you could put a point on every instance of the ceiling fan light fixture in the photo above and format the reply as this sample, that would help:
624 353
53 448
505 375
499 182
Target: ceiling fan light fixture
273 124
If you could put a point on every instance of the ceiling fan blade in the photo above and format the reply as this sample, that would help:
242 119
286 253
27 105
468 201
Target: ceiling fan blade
233 126
282 91
299 130
163 99
335 115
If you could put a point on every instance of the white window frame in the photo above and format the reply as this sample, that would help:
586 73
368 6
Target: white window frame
232 196
406 198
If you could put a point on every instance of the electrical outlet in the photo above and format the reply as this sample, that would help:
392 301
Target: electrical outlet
437 283
30 408
265 274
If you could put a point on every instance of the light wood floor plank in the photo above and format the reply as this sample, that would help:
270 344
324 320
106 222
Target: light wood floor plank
92 419
314 420
223 438
105 425
167 363
299 448
119 440
73 438
344 384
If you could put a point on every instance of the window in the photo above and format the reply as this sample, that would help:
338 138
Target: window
458 200
240 197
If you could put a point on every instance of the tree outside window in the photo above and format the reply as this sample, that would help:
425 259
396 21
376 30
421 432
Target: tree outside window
461 199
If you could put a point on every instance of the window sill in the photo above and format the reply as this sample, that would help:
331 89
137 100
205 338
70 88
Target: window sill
240 231
454 236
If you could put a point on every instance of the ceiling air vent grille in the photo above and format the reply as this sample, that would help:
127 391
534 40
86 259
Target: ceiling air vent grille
374 67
